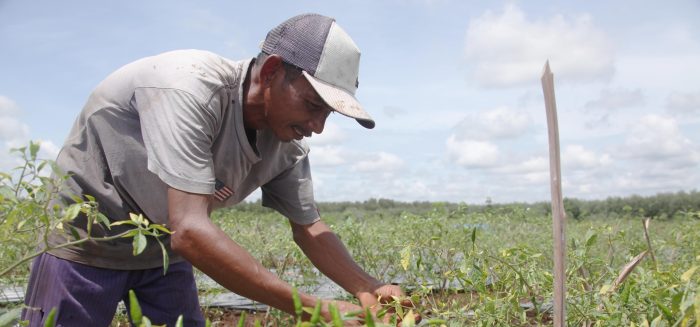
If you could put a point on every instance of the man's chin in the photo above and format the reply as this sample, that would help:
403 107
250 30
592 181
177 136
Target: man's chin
284 138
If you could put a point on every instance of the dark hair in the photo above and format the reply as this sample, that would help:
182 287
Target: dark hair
291 72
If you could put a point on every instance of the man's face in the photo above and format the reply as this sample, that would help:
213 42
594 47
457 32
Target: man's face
295 110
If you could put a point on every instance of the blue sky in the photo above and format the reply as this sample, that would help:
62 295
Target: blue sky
454 87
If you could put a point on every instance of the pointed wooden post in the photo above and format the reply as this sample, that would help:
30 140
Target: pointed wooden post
558 215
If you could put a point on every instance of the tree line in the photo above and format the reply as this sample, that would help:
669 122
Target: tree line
682 204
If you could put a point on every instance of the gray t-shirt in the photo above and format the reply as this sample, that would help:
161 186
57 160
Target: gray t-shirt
175 120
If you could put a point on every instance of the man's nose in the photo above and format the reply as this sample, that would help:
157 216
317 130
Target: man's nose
317 123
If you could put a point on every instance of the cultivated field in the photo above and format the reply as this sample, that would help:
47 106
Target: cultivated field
492 266
462 265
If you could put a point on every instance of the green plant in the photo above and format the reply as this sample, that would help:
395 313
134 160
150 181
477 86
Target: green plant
29 213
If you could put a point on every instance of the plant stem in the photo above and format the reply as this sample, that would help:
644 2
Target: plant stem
67 244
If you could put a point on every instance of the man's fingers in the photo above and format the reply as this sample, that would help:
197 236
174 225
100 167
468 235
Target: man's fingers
407 303
385 299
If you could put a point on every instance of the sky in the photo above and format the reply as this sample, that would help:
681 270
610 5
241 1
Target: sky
454 88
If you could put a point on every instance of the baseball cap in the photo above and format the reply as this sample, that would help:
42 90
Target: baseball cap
328 57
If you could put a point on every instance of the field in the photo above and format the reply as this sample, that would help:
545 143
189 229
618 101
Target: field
492 266
483 265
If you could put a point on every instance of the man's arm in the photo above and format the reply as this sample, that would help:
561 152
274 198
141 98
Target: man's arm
329 255
213 252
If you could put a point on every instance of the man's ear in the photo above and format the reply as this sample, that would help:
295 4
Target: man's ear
271 66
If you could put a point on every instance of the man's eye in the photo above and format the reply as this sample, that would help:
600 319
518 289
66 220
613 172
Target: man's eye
314 106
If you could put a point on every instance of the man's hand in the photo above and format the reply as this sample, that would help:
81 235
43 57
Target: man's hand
329 255
387 295
381 294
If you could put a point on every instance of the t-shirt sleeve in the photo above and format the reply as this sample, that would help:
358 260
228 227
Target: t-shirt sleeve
178 131
291 194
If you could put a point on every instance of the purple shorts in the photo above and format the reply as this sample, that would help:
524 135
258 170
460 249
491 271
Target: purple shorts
88 296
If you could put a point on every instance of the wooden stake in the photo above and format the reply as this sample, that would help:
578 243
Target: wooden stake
558 215
646 235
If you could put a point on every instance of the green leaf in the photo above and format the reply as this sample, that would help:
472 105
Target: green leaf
135 309
316 315
131 233
408 319
123 222
241 320
382 312
335 315
33 149
10 318
102 219
178 323
257 323
166 258
139 243
136 218
20 149
369 321
689 273
665 310
90 198
71 212
405 257
51 319
432 322
146 322
591 238
624 297
207 323
74 232
76 198
41 166
298 309
161 228
419 261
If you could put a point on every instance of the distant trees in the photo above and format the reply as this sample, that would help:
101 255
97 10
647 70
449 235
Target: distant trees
661 206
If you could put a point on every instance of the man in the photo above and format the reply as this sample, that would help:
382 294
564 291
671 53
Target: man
177 135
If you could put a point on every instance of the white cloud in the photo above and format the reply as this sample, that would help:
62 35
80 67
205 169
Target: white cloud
612 99
472 153
379 162
531 165
658 138
14 134
332 134
576 157
7 106
48 150
12 131
509 49
326 155
684 103
499 123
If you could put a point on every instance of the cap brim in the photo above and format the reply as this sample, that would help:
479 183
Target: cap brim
340 100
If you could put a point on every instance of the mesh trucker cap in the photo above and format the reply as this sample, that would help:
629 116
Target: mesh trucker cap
329 58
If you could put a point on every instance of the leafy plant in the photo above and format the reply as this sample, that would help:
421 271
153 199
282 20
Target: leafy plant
29 213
